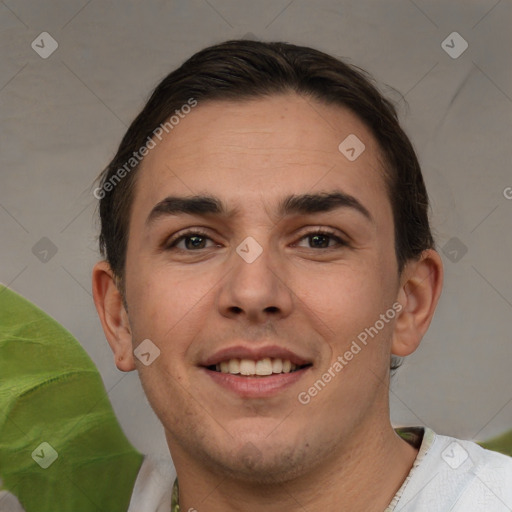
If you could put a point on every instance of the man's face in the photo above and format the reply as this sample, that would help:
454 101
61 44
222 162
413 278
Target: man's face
306 297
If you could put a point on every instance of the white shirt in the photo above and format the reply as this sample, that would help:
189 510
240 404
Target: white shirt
448 475
455 476
152 491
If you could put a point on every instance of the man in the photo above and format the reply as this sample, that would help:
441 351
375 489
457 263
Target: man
267 255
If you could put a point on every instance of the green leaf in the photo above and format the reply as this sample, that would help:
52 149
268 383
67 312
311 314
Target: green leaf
51 392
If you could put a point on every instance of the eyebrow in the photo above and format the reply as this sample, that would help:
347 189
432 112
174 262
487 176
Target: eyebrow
322 202
293 204
191 205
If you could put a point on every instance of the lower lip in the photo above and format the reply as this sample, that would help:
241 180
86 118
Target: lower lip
256 387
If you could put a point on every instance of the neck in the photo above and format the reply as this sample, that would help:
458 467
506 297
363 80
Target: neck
363 476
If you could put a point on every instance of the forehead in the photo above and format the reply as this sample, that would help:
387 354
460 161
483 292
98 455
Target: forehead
267 147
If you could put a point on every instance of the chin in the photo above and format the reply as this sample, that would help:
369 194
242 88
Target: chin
265 466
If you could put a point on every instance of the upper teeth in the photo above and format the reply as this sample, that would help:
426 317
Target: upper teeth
264 366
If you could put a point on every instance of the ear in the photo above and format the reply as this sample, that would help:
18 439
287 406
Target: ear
420 288
114 318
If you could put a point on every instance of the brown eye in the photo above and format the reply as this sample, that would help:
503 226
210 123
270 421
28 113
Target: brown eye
194 242
322 240
190 241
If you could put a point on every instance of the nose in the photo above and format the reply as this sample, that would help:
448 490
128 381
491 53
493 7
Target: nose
255 289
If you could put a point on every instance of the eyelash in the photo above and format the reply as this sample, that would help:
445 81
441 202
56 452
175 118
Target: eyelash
193 232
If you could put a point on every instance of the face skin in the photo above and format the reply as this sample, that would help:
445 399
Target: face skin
191 302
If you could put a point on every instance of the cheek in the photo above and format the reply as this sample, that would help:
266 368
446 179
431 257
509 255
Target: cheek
167 392
163 299
345 306
345 298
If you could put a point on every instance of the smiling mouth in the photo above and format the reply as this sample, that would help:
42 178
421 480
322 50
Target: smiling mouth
260 368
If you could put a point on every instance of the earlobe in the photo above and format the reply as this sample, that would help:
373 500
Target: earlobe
419 294
114 319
